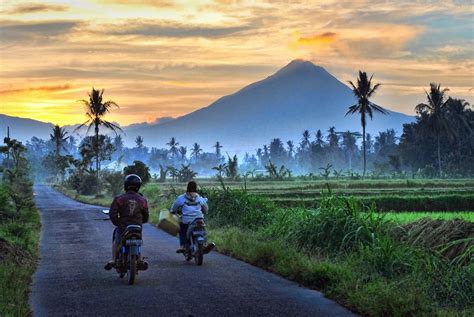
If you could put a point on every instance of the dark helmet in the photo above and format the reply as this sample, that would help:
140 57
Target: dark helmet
132 182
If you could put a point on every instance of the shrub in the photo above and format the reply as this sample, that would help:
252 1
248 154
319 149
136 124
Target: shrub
139 168
113 182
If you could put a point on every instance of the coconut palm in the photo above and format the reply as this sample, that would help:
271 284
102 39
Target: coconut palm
196 151
363 91
218 147
96 109
139 142
59 138
182 151
291 148
173 144
435 110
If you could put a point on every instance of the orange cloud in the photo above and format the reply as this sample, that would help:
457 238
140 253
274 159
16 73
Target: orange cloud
319 39
41 88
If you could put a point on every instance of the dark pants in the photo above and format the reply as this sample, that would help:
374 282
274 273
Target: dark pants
183 230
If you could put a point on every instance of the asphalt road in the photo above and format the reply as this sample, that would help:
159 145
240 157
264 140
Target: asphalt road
71 281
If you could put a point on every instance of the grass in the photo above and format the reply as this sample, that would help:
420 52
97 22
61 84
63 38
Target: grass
406 217
19 236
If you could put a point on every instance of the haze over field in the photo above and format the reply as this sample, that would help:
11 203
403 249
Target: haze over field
168 58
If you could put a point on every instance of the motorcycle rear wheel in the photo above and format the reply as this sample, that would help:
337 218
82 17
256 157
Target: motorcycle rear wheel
132 269
199 257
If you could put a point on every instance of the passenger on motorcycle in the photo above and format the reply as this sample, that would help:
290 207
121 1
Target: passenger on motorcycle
129 208
192 206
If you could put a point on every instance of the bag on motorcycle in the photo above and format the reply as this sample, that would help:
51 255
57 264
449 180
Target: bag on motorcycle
168 223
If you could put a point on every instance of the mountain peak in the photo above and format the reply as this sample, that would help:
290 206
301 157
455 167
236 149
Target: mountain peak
299 66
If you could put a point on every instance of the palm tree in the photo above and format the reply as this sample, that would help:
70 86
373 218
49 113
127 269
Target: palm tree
173 144
196 151
59 138
435 110
291 148
304 144
349 143
363 92
139 142
182 151
96 109
218 147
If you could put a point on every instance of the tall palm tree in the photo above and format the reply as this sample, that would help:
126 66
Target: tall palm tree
196 151
59 138
218 147
363 91
291 148
305 142
182 151
436 112
96 109
173 144
139 142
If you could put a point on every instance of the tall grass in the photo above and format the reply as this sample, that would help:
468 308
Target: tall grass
345 249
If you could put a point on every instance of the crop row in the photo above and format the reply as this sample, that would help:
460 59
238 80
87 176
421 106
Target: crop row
397 203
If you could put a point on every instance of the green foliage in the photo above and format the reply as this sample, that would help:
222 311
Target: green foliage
139 168
186 174
235 207
84 183
113 182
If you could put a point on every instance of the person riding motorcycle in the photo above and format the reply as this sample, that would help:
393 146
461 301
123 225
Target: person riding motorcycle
129 208
191 206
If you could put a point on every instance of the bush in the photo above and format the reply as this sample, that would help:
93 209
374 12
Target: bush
237 208
89 185
113 182
139 168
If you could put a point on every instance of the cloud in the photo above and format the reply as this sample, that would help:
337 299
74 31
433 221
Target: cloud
34 8
151 3
52 88
319 39
175 30
14 31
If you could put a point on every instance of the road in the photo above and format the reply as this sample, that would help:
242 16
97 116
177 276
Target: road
70 279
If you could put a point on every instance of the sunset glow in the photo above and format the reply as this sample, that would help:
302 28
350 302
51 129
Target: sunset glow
167 58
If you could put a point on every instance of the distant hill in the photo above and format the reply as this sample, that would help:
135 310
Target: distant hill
299 96
23 129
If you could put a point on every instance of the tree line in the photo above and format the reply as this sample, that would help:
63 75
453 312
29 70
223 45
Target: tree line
440 143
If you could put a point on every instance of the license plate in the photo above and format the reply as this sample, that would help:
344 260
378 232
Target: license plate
133 242
199 233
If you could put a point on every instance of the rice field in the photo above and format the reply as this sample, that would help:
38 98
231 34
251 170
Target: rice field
420 196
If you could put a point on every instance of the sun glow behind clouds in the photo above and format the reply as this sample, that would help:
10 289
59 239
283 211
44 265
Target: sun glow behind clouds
167 58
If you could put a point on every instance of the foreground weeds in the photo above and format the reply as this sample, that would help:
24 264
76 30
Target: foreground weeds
345 250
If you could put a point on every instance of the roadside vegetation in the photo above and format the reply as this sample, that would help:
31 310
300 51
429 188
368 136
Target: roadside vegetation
19 231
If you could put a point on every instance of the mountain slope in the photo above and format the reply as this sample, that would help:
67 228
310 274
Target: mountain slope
299 96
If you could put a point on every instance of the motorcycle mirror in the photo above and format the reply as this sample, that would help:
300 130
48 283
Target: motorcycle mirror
105 211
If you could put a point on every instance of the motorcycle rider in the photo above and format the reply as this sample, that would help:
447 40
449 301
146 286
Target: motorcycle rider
129 208
192 206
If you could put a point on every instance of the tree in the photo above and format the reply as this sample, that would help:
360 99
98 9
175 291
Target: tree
363 92
196 151
349 144
59 138
218 148
305 142
173 144
139 168
221 168
232 168
435 110
291 148
139 142
96 109
182 151
185 174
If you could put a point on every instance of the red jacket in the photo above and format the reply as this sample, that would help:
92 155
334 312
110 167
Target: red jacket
129 208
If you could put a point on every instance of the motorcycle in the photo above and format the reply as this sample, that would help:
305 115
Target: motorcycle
129 260
197 245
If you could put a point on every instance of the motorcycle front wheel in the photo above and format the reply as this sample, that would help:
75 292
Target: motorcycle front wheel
132 269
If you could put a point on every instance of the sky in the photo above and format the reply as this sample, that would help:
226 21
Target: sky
167 58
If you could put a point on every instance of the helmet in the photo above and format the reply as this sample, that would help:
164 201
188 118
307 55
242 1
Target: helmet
132 182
